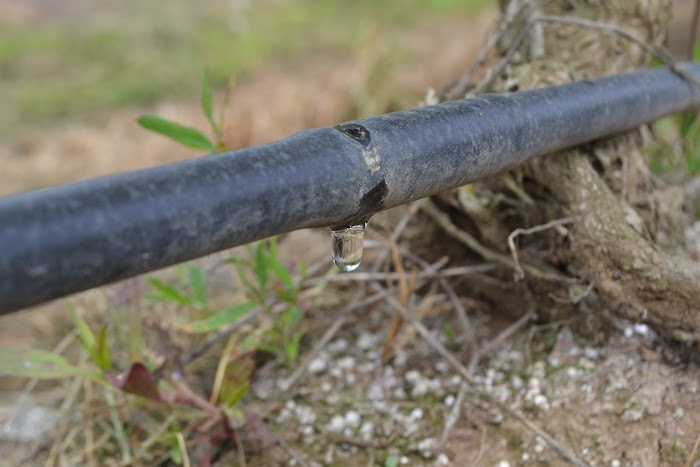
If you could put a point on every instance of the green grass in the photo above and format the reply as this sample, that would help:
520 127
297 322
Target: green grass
140 52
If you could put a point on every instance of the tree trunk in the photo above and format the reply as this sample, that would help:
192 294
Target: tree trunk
627 231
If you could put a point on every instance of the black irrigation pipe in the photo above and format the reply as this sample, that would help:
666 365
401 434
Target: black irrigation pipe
58 241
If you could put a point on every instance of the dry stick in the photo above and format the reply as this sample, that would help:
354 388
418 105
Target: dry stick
498 340
464 373
454 415
295 455
286 384
444 221
183 449
512 11
467 331
425 274
215 338
519 274
693 30
661 53
692 454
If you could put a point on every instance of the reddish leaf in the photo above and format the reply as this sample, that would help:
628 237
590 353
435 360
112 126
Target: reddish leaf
256 430
136 380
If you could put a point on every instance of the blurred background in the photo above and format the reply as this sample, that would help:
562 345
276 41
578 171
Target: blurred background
75 75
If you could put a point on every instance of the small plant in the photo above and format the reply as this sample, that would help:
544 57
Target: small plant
188 136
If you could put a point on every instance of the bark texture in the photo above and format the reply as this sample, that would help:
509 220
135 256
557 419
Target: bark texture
628 227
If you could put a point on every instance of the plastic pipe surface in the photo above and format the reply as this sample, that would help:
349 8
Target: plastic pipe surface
61 240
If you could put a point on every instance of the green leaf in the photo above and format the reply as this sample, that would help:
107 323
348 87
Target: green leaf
391 461
167 293
696 51
291 347
220 319
199 286
282 273
291 317
84 332
206 99
42 364
182 134
101 353
261 266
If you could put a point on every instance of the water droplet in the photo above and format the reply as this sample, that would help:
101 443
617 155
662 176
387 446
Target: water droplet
346 245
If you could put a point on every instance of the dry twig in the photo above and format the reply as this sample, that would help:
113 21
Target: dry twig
464 373
519 274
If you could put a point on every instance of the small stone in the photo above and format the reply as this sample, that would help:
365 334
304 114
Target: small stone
615 463
352 419
366 341
367 431
449 400
346 363
539 449
503 464
525 457
442 366
416 414
679 413
336 425
307 430
338 346
404 460
326 386
317 366
305 415
442 459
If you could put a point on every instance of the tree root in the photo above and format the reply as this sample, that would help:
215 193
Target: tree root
630 271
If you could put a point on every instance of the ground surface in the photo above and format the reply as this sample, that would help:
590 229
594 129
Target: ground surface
619 397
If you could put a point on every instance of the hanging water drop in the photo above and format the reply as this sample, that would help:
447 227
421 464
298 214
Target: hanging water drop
346 245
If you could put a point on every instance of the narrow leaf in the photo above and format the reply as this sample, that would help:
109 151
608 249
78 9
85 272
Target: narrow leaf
102 354
282 273
84 331
206 99
220 319
199 286
182 134
41 364
168 293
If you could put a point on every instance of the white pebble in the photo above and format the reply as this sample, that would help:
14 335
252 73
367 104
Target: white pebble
503 464
366 341
338 346
525 457
449 400
416 414
346 363
352 419
404 460
442 459
317 366
641 329
367 430
615 463
336 424
307 430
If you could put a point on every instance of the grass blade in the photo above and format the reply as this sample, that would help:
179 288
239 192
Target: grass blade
206 100
182 134
222 318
